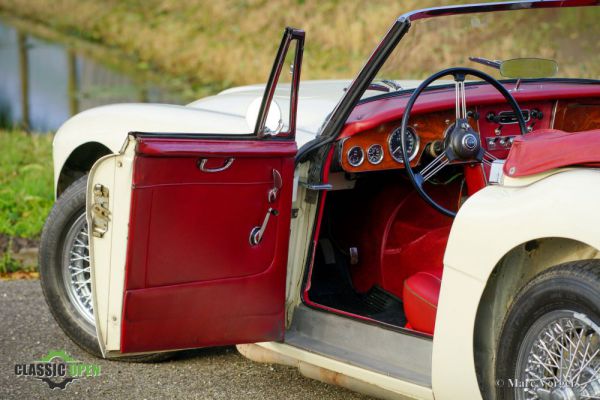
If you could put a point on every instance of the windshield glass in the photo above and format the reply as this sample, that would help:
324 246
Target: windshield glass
569 36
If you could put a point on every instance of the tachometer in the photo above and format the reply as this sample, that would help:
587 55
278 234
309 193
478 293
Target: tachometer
395 144
375 154
356 156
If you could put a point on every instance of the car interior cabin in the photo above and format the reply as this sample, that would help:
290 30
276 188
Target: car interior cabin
380 247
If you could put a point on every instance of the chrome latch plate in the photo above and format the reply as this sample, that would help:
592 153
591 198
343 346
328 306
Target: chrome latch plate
100 212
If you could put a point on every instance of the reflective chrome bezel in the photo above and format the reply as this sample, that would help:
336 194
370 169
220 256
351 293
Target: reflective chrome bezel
380 159
526 116
362 157
448 129
417 145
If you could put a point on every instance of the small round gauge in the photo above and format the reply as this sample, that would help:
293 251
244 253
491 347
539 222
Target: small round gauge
375 154
395 144
356 156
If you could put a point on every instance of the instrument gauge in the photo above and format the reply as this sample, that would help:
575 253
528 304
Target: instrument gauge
395 144
375 154
356 156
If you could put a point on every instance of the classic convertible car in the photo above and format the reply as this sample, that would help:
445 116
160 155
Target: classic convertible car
412 239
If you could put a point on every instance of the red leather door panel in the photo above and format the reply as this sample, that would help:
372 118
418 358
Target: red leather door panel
192 277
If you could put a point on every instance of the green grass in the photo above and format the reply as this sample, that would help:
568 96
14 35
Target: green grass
25 182
26 194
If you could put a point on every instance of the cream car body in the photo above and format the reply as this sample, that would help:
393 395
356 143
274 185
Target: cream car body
481 272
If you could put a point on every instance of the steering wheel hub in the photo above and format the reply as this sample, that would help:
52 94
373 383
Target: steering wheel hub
463 143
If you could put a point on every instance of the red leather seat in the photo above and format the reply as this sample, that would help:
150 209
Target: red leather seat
421 293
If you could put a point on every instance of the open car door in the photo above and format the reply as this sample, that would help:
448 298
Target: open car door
189 232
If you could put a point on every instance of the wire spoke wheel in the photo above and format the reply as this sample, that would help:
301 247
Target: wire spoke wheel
76 269
559 359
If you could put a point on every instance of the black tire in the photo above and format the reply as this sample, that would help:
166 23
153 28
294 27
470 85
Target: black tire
559 291
66 211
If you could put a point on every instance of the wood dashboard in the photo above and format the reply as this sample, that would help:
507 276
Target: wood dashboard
568 115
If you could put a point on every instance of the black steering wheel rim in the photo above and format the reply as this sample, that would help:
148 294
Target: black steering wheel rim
457 73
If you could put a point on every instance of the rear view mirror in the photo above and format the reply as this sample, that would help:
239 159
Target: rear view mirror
533 68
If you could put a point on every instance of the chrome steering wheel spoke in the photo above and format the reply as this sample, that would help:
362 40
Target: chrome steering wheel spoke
460 97
488 158
435 166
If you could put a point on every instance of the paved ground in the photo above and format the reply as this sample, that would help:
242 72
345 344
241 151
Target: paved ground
28 332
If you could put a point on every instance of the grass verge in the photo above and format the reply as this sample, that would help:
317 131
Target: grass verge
25 197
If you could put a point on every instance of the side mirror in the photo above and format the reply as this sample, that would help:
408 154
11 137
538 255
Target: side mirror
532 68
274 122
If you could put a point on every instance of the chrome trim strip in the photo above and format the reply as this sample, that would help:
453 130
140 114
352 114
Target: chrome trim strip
554 109
491 7
526 116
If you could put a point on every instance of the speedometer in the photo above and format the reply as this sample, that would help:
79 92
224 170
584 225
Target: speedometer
395 144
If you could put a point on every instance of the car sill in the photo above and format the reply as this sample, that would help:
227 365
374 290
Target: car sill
391 353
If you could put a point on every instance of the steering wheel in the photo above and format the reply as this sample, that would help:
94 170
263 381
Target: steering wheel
462 144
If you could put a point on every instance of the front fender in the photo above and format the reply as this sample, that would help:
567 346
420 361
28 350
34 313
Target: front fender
109 126
488 226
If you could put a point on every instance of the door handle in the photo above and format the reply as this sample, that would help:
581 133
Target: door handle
256 234
202 165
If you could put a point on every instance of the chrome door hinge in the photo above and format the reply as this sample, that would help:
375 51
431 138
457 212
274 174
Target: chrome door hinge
100 211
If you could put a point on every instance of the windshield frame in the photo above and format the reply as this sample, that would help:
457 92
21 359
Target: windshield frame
443 86
333 125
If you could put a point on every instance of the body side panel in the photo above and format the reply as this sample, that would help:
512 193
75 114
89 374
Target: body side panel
488 226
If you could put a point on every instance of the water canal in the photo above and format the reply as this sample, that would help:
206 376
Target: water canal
44 82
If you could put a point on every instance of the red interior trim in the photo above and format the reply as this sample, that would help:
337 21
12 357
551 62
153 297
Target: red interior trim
163 147
185 285
547 149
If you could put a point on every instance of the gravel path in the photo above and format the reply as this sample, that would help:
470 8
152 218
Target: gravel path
28 332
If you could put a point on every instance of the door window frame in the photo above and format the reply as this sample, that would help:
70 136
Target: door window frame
290 35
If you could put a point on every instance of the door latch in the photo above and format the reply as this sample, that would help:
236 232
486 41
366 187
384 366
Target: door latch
256 234
100 211
277 184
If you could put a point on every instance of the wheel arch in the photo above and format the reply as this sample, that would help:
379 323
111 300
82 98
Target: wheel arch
78 163
512 272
